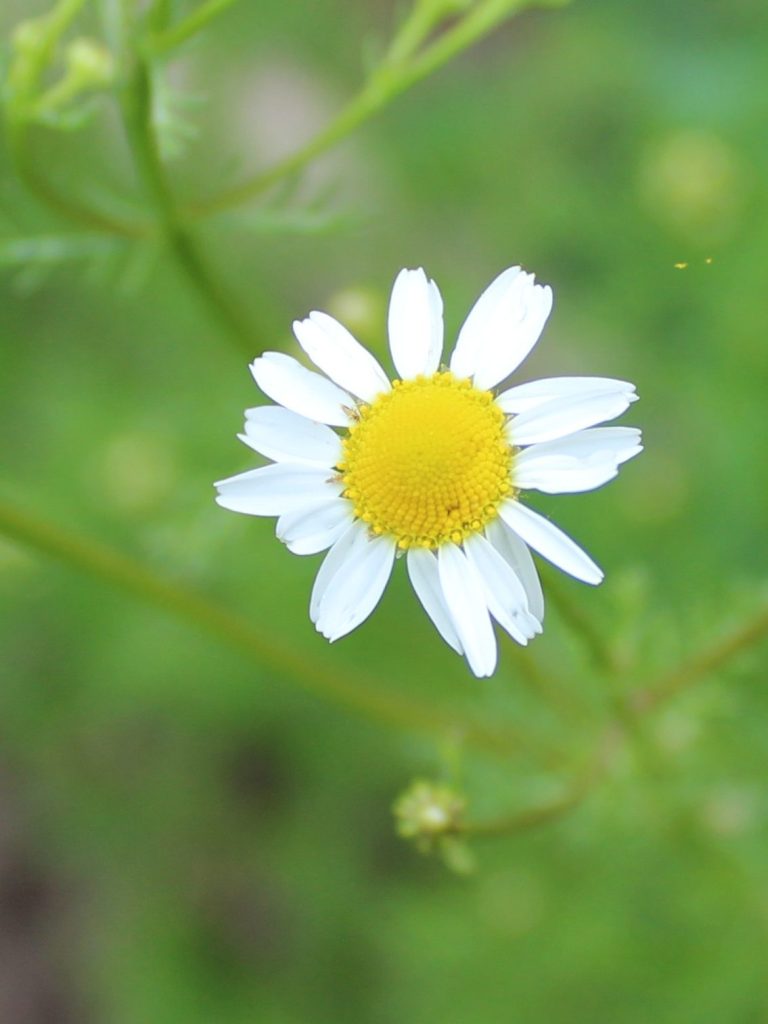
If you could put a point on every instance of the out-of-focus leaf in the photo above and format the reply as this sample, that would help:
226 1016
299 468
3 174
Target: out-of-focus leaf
49 250
293 222
171 117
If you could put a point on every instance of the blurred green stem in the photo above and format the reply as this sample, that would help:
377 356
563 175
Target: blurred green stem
425 16
581 625
171 38
628 712
530 818
137 116
524 820
586 781
35 42
401 69
355 692
65 206
703 664
624 713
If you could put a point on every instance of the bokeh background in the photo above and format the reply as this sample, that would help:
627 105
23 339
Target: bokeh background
188 836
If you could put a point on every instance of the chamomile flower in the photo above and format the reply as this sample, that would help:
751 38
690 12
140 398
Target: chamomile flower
432 464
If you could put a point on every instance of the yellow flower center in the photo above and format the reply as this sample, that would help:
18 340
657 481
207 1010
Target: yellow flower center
428 462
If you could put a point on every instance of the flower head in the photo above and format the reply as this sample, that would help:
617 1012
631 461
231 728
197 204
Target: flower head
431 464
428 811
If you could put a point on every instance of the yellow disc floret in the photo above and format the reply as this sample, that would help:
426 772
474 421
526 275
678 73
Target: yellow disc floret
427 462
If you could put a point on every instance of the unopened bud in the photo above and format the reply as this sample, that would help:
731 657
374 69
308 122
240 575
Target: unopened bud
90 63
29 36
428 812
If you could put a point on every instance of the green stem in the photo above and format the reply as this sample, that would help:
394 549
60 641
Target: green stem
524 820
424 17
581 625
356 693
67 207
137 115
623 710
481 19
24 81
530 818
46 31
563 700
171 38
386 82
704 664
372 97
587 778
159 16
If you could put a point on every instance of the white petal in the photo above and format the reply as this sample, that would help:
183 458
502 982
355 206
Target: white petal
315 528
561 416
550 542
334 351
355 588
479 323
463 592
290 384
527 396
502 328
516 552
504 592
560 475
331 564
415 324
282 435
578 462
618 443
425 578
275 489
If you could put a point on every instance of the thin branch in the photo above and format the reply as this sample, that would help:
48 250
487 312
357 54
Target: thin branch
171 38
386 82
587 779
357 693
137 116
23 83
671 683
581 625
67 207
524 820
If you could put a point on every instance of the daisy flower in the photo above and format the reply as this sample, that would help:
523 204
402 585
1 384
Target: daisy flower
432 464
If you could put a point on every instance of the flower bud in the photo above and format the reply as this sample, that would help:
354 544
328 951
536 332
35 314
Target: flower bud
29 36
89 63
427 812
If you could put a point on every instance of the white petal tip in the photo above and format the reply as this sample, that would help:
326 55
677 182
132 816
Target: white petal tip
222 502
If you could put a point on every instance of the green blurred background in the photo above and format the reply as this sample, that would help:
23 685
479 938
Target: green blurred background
186 836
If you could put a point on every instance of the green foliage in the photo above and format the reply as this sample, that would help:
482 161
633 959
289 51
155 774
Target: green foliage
204 796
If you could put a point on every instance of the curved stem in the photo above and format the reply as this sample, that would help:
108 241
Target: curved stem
370 99
356 693
170 38
530 818
523 821
581 625
65 206
719 654
425 15
385 83
137 116
23 82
